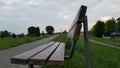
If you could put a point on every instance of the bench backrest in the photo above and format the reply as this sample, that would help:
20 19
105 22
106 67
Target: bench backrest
75 29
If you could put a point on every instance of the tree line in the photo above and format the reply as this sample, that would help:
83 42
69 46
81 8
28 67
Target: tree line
31 31
35 31
5 33
105 28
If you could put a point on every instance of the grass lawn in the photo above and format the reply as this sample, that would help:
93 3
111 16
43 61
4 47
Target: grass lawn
101 56
12 42
108 41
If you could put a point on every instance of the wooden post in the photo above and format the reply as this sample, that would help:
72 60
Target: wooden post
86 40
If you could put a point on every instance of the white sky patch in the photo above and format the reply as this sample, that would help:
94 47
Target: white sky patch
105 18
8 2
32 3
90 25
64 15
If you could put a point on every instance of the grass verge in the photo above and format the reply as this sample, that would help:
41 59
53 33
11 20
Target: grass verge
108 41
101 56
12 42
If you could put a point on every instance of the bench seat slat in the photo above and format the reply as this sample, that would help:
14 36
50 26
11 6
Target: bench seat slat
44 55
57 57
23 58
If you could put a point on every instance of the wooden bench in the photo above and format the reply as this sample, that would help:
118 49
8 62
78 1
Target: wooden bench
52 53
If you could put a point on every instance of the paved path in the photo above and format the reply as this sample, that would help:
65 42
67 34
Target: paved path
105 44
5 55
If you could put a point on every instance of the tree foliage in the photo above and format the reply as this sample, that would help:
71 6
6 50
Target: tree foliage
110 26
14 35
98 29
118 24
49 29
43 33
4 34
106 28
65 32
33 31
37 31
20 35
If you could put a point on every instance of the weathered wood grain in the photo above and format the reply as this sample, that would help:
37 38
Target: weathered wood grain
57 57
75 32
44 55
23 58
75 28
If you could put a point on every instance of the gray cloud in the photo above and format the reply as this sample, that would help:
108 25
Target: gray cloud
59 13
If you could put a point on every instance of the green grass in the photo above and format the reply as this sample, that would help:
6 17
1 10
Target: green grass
9 42
108 41
101 56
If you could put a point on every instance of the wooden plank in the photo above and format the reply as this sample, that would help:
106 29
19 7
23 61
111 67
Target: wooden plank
44 55
75 32
80 16
76 23
23 58
57 57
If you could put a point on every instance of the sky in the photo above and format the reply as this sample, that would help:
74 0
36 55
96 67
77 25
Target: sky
17 15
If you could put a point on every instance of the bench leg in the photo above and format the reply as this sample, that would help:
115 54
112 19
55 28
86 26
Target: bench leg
30 66
72 50
86 40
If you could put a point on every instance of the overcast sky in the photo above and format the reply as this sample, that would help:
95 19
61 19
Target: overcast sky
17 15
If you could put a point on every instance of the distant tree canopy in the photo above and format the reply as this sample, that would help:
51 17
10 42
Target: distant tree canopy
14 35
43 33
49 29
110 26
33 31
98 29
64 31
4 34
118 24
101 28
20 35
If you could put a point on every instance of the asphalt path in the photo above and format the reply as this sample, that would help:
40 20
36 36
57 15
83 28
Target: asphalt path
5 55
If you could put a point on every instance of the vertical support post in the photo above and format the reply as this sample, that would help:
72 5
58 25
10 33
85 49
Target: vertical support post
30 66
67 42
86 40
72 48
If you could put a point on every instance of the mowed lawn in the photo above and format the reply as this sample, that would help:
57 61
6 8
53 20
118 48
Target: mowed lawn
101 56
12 42
115 42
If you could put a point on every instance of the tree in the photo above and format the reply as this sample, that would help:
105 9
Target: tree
98 29
49 29
118 24
4 34
37 31
110 26
14 35
43 33
33 31
21 35
92 31
65 32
